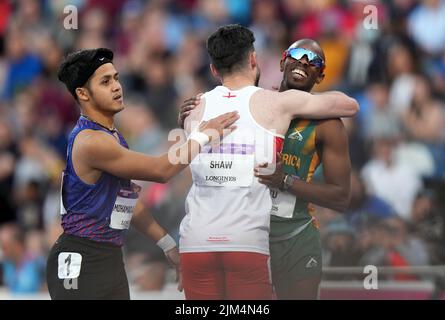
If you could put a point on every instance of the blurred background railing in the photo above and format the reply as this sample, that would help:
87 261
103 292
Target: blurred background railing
432 287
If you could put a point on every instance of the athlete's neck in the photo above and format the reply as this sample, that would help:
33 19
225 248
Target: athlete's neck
237 81
99 118
283 86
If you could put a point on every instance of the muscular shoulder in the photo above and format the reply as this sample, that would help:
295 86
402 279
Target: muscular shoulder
91 142
268 98
264 99
265 109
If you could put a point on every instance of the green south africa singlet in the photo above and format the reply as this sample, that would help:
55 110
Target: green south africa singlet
291 215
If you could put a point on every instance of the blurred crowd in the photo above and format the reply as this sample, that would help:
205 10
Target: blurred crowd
397 143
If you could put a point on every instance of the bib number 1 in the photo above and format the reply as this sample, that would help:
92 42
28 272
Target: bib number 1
69 265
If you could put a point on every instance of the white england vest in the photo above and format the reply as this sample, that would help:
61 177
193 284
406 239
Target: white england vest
227 209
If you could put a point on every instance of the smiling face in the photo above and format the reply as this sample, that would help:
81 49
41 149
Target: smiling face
301 74
103 90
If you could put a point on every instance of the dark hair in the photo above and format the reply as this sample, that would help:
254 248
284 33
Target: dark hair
79 66
229 47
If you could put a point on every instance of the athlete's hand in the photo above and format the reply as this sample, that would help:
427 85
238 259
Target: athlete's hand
219 127
187 107
274 180
173 258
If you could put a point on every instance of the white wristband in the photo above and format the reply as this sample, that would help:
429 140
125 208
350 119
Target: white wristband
166 243
200 137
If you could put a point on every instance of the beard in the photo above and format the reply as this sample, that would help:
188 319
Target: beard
301 87
297 85
257 76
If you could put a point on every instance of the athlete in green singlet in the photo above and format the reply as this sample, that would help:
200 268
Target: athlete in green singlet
295 246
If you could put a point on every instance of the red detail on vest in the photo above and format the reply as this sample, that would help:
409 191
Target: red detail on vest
229 95
279 143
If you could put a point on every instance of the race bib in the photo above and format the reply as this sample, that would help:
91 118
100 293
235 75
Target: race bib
123 207
229 164
69 265
283 203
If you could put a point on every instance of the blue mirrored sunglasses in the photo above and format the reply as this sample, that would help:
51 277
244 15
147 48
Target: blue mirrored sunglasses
298 53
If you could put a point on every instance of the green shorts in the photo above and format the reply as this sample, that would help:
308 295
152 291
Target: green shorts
296 258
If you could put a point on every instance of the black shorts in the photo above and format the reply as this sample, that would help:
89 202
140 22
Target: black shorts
79 268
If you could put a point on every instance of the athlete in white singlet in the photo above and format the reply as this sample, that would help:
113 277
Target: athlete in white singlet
227 208
224 241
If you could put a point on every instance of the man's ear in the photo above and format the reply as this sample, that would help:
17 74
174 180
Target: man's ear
82 94
215 72
253 60
283 60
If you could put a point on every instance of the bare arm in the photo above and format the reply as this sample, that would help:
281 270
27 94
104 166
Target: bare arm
331 104
187 107
102 152
334 193
196 107
144 222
